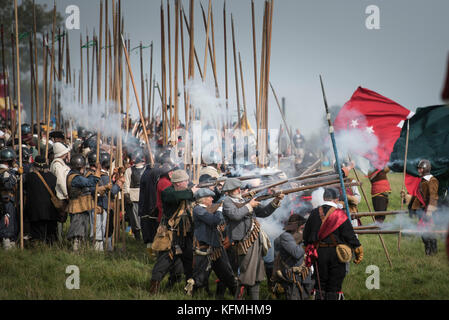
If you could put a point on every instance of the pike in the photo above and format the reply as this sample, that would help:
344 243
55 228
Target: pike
19 111
334 145
51 82
138 102
36 81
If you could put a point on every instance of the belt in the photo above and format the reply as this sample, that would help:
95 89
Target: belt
326 245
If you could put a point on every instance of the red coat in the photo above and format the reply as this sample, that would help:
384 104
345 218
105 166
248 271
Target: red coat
163 183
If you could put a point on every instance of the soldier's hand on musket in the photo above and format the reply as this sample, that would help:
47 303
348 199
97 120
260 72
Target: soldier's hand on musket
254 203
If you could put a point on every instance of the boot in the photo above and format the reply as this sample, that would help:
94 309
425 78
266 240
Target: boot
76 245
434 246
220 290
188 289
99 246
154 287
331 295
427 247
253 292
137 235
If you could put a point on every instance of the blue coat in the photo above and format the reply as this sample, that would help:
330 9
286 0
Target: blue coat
205 226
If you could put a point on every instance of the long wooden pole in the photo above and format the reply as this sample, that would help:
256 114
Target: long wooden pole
226 62
137 101
176 65
36 82
236 74
51 83
194 49
254 53
206 47
19 112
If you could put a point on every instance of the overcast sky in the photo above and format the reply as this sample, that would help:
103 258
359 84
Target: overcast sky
404 60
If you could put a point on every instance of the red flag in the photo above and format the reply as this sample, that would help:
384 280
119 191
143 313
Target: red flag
371 115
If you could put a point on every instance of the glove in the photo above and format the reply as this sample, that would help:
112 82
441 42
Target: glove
20 170
358 255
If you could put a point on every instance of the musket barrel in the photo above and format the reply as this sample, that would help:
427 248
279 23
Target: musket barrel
376 213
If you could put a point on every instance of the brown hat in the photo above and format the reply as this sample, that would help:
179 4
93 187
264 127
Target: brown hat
179 176
294 222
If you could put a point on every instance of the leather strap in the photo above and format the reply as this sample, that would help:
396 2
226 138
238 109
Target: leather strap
45 183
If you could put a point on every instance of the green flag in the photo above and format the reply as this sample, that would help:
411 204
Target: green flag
428 139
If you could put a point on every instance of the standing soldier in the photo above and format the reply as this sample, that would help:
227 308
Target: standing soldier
380 190
329 237
178 219
424 204
209 253
8 185
245 235
80 190
60 169
131 191
39 209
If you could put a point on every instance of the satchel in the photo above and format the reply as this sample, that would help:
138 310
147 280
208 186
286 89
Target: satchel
60 205
162 239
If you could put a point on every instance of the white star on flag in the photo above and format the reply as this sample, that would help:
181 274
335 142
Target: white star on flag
354 123
370 129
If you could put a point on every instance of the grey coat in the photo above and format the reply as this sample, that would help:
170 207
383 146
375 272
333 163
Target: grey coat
239 220
291 253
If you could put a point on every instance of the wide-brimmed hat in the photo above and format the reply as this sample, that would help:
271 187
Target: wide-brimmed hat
179 176
231 184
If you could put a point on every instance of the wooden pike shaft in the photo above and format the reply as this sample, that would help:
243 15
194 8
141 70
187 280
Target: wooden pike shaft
142 83
254 53
245 116
226 59
32 80
164 78
207 46
176 64
366 227
236 73
51 83
170 82
36 77
189 31
138 102
19 112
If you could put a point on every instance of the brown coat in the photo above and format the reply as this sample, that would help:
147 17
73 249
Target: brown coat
429 192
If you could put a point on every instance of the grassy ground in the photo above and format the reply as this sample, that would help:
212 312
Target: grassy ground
40 272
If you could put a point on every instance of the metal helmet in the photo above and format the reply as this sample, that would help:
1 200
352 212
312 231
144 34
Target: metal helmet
105 159
7 154
26 128
82 132
425 164
77 161
92 158
138 156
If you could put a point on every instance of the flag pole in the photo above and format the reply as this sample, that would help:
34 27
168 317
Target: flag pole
405 163
334 146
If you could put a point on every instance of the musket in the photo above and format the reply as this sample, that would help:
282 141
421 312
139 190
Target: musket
214 182
303 179
377 231
376 213
294 190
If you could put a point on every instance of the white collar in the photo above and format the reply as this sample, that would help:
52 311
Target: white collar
428 177
330 203
202 205
3 166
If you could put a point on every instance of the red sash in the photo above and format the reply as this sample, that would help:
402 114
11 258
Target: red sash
333 221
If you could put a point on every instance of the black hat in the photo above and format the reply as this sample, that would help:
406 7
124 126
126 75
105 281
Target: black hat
57 135
77 161
331 194
294 222
40 162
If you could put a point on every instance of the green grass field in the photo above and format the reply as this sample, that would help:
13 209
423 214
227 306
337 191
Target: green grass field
40 272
